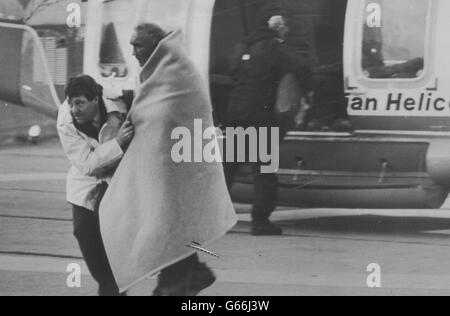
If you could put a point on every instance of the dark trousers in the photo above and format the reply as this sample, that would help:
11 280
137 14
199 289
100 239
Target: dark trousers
87 232
265 194
175 280
177 271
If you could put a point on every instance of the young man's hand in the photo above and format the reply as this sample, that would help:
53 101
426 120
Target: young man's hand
125 135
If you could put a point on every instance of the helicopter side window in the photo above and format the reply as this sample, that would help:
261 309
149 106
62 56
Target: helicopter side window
396 48
116 30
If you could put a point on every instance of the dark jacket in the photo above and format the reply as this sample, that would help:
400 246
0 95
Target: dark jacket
257 67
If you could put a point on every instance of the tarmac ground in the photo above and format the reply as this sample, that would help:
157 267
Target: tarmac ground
323 251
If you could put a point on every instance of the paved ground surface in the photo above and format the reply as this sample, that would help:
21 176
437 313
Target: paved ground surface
324 251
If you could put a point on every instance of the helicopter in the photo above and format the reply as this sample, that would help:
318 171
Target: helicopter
380 64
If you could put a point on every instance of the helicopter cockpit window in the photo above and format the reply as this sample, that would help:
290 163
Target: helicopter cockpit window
116 31
394 38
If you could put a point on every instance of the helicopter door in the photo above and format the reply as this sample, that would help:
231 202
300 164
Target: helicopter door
233 21
389 64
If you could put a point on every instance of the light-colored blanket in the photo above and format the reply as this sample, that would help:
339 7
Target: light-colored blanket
155 207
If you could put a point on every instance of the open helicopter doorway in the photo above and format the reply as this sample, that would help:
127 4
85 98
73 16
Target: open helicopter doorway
317 33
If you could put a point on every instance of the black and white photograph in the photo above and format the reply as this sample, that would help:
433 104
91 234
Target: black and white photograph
224 152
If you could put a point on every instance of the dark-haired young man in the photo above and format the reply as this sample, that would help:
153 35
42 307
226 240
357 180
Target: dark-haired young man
80 121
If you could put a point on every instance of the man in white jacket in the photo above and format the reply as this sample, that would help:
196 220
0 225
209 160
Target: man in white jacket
80 121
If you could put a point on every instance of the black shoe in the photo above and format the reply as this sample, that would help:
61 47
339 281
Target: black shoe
109 290
202 277
266 229
315 126
199 278
172 288
158 292
342 126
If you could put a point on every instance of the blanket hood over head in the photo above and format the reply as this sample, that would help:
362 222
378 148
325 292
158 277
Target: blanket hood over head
155 207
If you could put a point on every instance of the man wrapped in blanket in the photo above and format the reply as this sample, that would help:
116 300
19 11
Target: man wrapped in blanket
155 207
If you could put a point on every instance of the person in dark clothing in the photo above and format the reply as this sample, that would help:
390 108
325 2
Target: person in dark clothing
86 230
257 67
